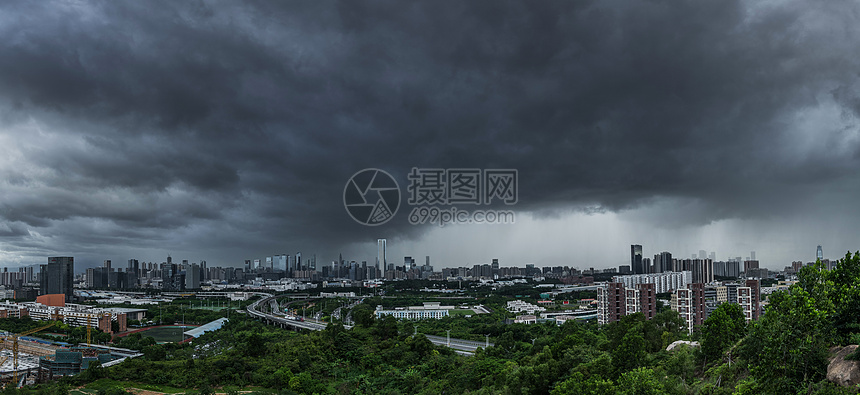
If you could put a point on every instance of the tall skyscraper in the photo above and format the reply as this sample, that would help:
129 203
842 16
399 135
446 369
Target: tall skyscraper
636 259
381 254
106 264
819 254
58 276
752 255
663 262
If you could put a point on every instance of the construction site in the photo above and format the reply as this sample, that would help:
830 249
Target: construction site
26 360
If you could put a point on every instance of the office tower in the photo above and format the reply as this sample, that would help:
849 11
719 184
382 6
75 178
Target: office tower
636 259
282 262
106 264
381 254
247 265
270 263
752 255
58 276
299 261
703 254
819 254
169 260
712 256
495 267
256 264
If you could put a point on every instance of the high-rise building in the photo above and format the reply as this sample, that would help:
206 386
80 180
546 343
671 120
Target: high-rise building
381 255
106 264
58 276
192 277
733 268
615 300
752 255
750 264
819 254
636 259
663 262
703 270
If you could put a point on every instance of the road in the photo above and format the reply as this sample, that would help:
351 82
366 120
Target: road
468 346
464 347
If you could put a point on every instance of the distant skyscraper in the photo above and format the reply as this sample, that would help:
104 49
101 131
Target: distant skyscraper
752 255
702 255
819 254
58 276
663 262
750 264
712 256
106 264
381 254
636 259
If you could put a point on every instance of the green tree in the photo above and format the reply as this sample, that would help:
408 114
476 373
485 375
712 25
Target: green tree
363 315
640 381
787 349
630 353
723 328
578 384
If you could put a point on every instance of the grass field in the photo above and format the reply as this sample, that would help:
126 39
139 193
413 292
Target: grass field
166 334
459 312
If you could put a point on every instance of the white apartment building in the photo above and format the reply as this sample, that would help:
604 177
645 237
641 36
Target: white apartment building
663 282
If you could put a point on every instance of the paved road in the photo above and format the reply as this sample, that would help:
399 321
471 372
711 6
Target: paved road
464 347
458 344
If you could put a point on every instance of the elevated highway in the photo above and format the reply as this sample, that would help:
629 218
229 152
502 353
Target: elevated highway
461 346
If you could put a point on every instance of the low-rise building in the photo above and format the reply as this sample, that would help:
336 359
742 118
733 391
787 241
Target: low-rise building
519 306
430 310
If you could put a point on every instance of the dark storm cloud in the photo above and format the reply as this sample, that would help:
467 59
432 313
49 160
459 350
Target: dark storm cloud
229 129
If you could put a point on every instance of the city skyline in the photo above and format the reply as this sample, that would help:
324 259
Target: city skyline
228 131
281 260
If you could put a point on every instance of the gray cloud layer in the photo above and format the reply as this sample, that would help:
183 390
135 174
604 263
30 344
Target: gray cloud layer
227 130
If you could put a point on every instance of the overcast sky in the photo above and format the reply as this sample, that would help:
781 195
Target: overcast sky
224 131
